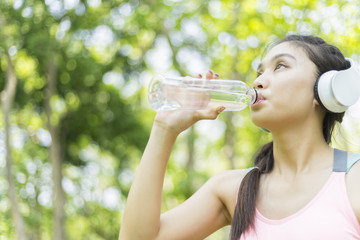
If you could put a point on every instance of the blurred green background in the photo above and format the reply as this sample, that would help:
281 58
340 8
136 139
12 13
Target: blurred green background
75 117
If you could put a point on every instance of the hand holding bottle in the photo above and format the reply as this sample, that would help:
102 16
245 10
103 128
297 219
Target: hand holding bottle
178 120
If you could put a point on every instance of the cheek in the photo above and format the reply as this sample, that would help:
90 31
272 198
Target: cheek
296 100
297 92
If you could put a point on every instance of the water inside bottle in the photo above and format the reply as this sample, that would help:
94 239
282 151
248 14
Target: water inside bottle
231 101
174 97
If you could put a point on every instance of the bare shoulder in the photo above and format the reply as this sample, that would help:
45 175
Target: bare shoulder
354 172
352 184
229 177
226 186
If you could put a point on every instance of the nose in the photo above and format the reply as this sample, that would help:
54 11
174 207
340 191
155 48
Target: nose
259 82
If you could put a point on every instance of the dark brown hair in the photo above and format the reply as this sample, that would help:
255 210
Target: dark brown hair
326 57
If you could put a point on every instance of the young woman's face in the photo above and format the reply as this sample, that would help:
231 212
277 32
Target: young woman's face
286 78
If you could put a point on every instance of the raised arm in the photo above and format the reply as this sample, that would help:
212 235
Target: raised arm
141 218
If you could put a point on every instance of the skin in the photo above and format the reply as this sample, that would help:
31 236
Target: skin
303 160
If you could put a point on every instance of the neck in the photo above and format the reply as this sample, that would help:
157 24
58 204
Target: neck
300 149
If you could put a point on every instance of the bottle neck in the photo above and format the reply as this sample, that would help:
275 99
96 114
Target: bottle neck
253 93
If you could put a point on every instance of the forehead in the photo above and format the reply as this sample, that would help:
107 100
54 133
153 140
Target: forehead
287 48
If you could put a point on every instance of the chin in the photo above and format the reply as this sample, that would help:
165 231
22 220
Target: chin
260 124
264 122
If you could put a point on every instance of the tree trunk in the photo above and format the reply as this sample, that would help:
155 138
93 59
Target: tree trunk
190 138
55 156
7 99
190 148
230 136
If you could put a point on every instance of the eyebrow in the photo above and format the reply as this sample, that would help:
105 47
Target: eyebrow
278 56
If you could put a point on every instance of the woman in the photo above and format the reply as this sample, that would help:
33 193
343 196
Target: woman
291 193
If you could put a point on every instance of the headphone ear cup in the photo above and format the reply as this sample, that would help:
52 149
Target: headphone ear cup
324 91
336 91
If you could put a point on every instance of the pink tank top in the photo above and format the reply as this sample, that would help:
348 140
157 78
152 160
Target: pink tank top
328 216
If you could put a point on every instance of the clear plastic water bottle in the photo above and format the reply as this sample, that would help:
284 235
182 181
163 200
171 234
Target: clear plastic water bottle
170 93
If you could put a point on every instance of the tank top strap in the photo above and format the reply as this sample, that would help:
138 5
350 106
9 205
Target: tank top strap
340 161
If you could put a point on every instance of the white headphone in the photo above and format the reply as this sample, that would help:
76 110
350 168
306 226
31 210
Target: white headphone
336 91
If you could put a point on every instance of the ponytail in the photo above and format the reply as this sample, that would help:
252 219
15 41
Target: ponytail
246 200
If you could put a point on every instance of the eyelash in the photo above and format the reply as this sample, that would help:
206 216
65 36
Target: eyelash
279 64
276 68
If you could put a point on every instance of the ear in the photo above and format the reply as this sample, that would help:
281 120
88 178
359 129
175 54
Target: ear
316 102
317 106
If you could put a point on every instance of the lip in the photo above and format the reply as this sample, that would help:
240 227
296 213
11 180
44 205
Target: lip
259 101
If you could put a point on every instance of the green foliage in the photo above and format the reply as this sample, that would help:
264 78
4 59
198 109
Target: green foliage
105 53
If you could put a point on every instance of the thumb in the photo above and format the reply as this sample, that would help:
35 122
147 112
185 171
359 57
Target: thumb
209 114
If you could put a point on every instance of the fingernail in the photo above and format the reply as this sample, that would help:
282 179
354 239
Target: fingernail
220 109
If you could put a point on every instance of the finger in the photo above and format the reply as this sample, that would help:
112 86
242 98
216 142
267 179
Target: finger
210 114
199 75
217 76
210 74
220 109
